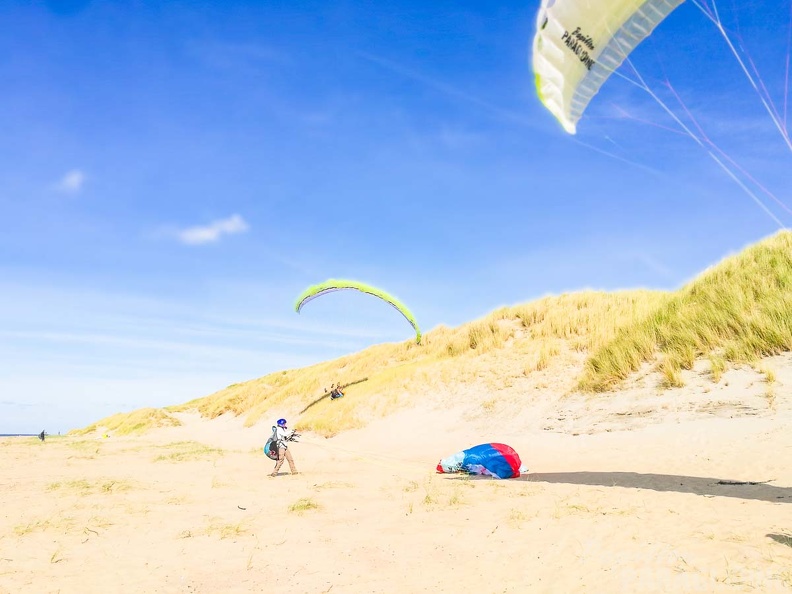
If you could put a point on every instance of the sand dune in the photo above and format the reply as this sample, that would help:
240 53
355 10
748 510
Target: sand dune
685 490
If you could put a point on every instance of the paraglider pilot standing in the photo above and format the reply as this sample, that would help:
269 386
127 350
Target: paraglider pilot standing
282 436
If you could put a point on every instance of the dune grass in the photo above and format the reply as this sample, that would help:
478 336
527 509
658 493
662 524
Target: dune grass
135 422
398 373
736 311
740 309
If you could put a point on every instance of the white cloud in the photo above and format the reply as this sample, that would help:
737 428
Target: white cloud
72 182
213 231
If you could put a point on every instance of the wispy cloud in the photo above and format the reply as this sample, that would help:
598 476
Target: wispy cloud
449 90
213 231
72 182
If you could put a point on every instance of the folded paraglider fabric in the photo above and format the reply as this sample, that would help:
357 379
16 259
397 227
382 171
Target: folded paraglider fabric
494 459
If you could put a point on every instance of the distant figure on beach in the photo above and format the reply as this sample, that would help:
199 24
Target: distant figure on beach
42 435
335 392
282 436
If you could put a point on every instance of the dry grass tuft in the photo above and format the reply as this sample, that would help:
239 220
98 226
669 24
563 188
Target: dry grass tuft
302 505
517 517
84 487
60 524
768 373
672 377
717 367
489 405
770 396
411 486
222 529
334 485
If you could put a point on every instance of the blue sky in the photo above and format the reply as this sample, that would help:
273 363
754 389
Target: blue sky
173 174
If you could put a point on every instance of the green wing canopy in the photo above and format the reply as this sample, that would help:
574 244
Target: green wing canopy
580 43
332 285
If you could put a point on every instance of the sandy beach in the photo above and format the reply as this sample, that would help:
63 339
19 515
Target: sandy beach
624 493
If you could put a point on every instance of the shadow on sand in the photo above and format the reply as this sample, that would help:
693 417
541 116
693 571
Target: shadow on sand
784 539
696 485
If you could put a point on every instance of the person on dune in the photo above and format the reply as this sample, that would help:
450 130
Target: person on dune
335 392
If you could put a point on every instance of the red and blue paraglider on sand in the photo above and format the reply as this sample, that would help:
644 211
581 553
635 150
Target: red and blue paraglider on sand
493 459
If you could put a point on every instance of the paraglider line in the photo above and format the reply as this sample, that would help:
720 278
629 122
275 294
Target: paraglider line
786 74
748 191
445 88
723 153
671 88
698 141
660 102
626 115
756 72
766 92
786 89
719 25
704 8
613 155
704 135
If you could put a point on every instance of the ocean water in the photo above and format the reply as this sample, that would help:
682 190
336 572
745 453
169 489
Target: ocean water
19 434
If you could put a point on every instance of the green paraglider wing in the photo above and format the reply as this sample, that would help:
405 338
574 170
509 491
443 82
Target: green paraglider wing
340 285
580 43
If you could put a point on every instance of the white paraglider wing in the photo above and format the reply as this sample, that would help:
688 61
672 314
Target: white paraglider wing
580 43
